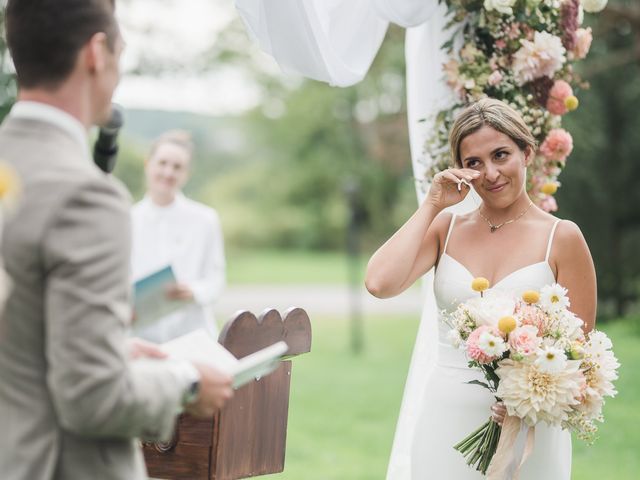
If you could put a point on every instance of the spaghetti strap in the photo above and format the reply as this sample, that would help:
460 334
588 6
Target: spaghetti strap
553 231
446 241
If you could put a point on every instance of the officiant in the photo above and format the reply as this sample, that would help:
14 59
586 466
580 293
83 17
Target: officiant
170 229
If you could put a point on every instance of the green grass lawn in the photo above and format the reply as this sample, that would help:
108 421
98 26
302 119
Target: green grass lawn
344 407
282 267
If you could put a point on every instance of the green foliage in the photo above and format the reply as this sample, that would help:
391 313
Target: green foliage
600 191
7 76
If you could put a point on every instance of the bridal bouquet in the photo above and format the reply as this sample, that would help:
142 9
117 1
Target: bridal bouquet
535 359
521 52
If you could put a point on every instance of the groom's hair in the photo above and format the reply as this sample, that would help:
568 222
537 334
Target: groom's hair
495 114
45 36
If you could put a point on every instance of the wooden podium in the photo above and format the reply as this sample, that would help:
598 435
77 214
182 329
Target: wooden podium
248 436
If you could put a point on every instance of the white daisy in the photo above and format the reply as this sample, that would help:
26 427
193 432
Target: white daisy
551 359
553 298
492 345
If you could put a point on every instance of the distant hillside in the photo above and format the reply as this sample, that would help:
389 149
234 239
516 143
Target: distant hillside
211 134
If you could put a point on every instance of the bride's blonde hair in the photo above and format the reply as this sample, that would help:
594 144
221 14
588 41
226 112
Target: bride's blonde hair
495 114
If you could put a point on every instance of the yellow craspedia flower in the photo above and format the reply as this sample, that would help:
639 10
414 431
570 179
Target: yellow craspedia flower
549 188
9 183
479 284
571 102
507 324
531 296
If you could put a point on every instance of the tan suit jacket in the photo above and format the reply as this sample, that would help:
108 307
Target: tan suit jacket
71 404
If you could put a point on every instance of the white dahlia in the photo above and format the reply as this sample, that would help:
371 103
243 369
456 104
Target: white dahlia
601 365
540 58
534 395
594 6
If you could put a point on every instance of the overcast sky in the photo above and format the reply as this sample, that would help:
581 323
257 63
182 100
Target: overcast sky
179 30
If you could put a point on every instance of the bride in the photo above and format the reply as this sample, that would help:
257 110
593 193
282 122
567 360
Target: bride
507 240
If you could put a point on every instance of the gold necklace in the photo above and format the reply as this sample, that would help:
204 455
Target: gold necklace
500 225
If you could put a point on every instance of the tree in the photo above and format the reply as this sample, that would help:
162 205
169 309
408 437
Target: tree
600 188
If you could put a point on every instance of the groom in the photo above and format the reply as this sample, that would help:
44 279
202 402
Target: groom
72 398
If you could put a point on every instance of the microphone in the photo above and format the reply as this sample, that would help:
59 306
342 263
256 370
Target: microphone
105 150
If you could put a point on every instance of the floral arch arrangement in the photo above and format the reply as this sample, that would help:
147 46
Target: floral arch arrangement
521 52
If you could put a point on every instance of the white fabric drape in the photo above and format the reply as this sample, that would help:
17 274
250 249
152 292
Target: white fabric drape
335 41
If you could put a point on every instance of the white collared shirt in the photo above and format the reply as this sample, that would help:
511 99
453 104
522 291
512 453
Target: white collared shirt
47 113
186 235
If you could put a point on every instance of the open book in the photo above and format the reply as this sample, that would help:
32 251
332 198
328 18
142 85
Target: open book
150 299
200 346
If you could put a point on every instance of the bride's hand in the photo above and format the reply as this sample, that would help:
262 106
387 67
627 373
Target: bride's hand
450 186
498 412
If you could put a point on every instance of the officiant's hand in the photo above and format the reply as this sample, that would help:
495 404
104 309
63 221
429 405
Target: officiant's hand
139 348
215 390
498 412
180 291
451 186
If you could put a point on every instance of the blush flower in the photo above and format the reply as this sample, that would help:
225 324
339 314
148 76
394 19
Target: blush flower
584 37
525 340
495 78
558 145
541 57
558 95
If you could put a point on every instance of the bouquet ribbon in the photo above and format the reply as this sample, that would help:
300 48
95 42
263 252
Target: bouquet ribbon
514 447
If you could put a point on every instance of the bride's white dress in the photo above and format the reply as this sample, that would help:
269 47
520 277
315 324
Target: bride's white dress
453 409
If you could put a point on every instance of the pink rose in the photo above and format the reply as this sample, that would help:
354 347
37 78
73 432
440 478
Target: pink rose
524 340
560 91
558 145
583 42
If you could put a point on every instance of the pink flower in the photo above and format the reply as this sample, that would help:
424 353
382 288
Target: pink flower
514 31
583 42
495 78
560 91
541 57
531 315
549 204
501 44
473 344
558 145
569 22
525 340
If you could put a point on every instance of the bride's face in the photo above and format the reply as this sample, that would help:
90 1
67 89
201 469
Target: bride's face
500 162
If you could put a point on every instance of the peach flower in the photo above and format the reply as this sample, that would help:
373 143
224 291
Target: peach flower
525 340
558 145
583 42
558 94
